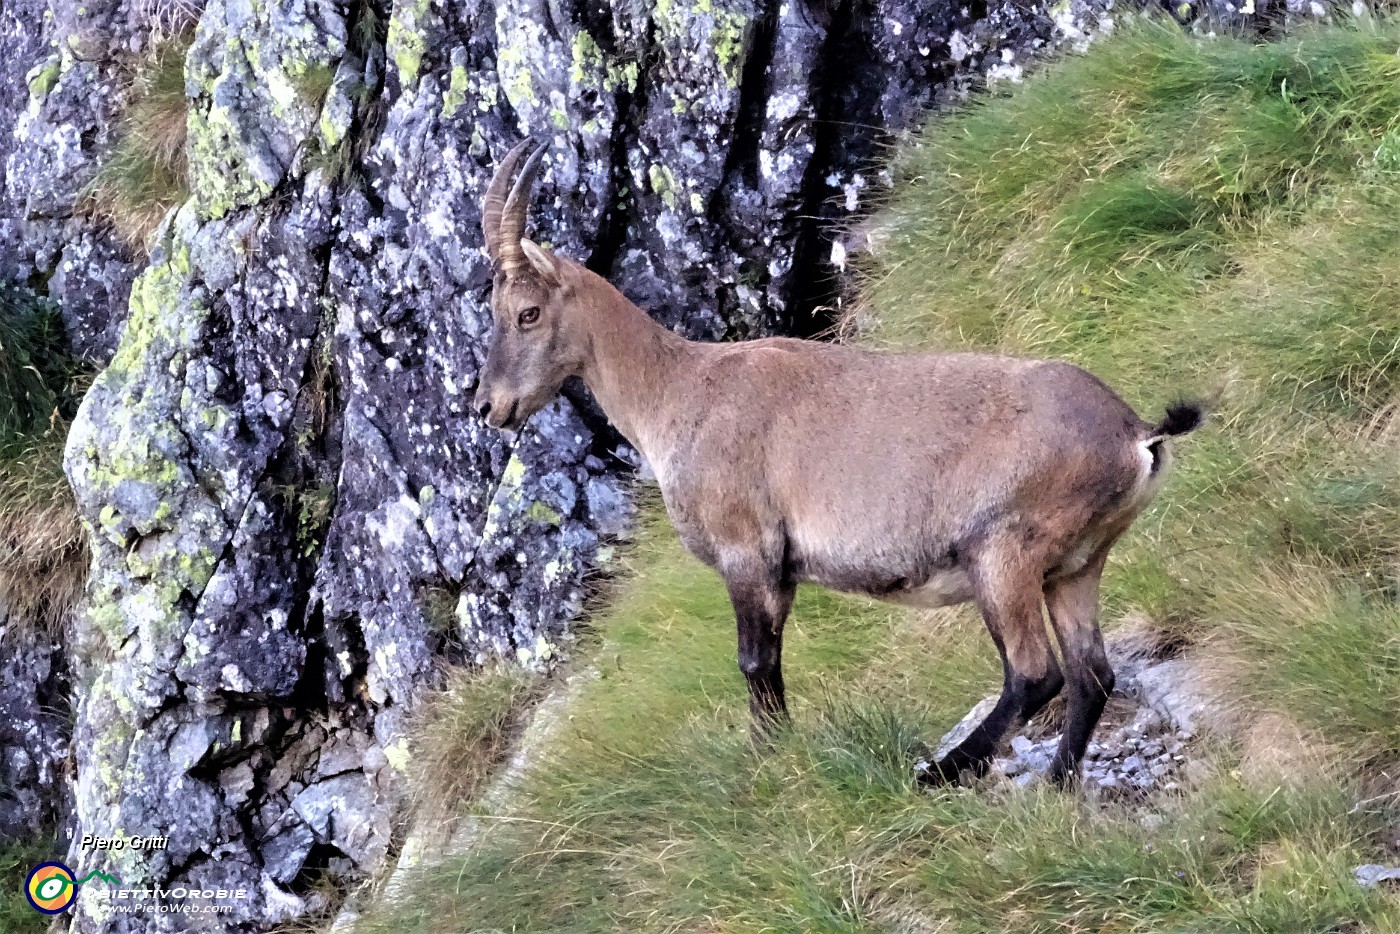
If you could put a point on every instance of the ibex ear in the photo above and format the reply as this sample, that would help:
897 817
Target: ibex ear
540 259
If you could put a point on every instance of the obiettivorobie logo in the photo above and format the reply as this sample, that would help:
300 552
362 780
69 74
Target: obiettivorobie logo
52 888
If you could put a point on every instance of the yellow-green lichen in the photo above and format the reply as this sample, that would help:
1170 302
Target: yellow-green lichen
42 78
405 41
724 31
663 184
456 94
588 63
508 494
591 67
729 37
516 79
622 76
154 295
332 129
543 513
514 472
398 754
522 88
107 617
283 93
221 176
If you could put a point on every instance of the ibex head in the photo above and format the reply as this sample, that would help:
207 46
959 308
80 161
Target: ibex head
535 346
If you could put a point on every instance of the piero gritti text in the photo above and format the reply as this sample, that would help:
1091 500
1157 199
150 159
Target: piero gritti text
152 842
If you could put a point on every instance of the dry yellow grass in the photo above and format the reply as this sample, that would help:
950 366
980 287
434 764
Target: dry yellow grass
145 174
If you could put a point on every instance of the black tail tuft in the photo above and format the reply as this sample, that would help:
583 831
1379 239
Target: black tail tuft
1181 418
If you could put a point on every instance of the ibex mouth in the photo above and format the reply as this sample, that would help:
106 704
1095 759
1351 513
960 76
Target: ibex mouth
508 423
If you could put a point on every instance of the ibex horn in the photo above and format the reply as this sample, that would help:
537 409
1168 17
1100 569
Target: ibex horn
496 198
512 228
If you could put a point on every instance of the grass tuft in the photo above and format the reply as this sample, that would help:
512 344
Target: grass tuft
460 733
17 858
43 546
1331 658
314 83
146 173
43 549
32 361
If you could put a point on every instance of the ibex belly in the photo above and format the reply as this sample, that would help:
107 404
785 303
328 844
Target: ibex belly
925 589
899 565
944 588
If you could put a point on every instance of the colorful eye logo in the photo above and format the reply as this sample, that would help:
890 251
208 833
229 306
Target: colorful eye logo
51 888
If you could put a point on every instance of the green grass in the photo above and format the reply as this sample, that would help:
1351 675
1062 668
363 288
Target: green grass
651 812
32 362
17 858
145 174
1182 216
1191 216
43 552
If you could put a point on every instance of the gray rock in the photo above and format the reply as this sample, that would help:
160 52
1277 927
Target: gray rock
285 851
33 735
1174 690
1372 874
965 726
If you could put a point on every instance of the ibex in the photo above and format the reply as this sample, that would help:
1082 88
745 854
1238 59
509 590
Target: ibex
927 479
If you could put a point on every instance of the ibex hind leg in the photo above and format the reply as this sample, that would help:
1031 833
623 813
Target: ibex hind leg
1074 612
1009 597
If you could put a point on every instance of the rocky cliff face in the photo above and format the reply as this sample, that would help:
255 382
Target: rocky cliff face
294 517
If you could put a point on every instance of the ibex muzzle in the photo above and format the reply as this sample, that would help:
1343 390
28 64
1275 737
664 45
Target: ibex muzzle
535 344
925 479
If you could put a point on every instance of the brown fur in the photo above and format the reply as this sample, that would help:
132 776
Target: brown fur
920 478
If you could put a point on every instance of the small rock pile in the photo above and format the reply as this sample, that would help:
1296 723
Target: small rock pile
1143 744
1144 755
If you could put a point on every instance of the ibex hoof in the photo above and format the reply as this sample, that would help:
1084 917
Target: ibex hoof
956 768
935 774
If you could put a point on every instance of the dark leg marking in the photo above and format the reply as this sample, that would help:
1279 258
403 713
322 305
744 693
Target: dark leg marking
760 609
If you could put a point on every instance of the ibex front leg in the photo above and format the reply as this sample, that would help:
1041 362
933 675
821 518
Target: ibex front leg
761 605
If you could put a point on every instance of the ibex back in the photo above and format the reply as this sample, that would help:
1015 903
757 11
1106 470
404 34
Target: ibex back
925 479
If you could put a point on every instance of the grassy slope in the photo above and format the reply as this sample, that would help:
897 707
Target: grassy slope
1178 215
1181 216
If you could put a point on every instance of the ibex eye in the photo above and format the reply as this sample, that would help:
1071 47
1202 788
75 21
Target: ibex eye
529 315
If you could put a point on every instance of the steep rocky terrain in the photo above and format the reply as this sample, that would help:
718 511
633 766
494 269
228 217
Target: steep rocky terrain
293 516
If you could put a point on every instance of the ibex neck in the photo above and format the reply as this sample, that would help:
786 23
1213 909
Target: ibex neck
633 367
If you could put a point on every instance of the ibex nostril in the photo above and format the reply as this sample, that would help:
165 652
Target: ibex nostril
483 408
